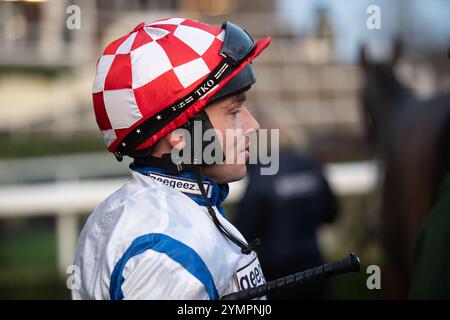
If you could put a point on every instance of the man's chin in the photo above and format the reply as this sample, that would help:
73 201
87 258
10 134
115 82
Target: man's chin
238 172
226 173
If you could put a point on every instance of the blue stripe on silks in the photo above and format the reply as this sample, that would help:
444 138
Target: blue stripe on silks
174 249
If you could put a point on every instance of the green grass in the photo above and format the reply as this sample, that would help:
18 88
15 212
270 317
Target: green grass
37 247
22 145
28 268
49 71
32 282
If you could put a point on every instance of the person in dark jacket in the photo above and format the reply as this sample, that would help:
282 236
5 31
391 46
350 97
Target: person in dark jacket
285 211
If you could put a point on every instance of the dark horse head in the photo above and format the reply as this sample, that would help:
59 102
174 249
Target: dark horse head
383 98
411 138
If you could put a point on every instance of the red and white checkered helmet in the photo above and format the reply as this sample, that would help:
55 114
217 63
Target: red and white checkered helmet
154 79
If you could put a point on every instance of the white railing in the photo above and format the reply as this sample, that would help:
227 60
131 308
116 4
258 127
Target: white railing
66 200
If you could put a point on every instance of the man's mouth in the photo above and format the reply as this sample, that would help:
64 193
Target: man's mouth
246 148
246 151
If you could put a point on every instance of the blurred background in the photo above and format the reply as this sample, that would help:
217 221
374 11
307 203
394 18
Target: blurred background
314 84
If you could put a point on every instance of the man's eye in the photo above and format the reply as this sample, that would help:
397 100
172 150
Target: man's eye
235 113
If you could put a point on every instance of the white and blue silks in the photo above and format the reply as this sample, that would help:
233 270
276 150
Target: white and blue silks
154 239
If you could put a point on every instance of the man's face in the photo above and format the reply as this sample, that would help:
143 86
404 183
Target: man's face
231 114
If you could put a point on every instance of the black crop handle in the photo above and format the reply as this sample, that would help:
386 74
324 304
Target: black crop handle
348 264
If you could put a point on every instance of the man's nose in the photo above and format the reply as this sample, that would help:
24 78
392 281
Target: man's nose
250 125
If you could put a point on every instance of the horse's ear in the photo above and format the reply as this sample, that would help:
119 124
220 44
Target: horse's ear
363 61
397 51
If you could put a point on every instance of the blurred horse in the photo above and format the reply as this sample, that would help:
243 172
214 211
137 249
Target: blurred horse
406 134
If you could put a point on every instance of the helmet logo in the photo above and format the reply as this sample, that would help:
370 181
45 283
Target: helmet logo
205 87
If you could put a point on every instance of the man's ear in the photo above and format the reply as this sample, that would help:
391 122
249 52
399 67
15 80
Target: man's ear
176 139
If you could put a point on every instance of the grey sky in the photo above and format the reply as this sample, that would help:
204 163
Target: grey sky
423 24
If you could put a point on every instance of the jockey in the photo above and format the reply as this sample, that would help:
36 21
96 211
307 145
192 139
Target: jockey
164 233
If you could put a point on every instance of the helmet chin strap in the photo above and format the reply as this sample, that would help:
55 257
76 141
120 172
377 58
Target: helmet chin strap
195 166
